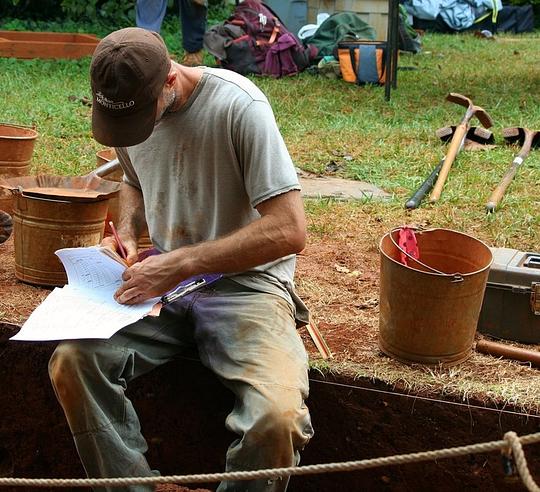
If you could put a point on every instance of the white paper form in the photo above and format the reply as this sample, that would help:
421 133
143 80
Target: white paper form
85 308
90 268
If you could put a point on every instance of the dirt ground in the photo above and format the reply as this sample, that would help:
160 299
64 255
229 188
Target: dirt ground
338 278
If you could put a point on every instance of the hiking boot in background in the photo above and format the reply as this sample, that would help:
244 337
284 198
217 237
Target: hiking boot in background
193 59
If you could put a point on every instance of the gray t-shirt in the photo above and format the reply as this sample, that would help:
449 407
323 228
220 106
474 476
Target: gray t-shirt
205 168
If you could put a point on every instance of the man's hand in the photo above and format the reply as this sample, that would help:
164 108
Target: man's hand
130 222
129 245
152 277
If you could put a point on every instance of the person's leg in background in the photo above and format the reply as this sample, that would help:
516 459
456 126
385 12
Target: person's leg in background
149 14
193 17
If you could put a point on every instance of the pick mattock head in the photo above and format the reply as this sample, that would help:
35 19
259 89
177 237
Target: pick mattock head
518 134
477 111
459 99
475 133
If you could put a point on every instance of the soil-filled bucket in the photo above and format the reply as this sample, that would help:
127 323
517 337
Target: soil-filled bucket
41 226
429 308
16 149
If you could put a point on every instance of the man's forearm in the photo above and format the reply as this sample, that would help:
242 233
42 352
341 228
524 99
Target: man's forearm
132 219
258 243
279 232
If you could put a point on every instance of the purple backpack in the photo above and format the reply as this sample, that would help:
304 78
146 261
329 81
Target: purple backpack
253 40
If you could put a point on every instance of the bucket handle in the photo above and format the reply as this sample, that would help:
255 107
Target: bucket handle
14 191
21 204
456 277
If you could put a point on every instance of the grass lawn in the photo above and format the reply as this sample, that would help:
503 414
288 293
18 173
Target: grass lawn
354 130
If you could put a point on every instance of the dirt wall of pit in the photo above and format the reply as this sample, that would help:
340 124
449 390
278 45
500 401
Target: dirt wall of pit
182 408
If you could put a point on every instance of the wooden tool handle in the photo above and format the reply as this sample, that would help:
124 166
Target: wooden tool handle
455 146
498 192
508 352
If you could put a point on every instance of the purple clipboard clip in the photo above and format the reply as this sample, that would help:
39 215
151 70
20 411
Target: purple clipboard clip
188 286
185 287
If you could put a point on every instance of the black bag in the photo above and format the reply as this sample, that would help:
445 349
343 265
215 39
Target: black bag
516 19
408 38
511 18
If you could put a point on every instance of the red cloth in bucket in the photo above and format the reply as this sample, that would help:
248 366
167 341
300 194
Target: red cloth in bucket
407 242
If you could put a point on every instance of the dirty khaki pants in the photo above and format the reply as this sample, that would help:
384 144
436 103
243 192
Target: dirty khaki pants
247 338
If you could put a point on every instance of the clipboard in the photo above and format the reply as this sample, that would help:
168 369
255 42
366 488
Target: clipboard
188 286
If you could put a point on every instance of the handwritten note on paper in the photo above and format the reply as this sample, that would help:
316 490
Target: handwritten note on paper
85 307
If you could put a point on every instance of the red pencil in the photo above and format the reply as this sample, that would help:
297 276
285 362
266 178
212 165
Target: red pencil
123 252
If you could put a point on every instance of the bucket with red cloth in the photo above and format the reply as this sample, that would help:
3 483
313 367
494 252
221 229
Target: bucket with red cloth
431 291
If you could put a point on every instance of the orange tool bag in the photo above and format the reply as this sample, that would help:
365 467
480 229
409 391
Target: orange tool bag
362 62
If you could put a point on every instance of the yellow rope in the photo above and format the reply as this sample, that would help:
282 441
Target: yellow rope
510 442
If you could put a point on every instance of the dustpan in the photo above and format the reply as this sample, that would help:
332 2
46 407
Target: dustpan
87 188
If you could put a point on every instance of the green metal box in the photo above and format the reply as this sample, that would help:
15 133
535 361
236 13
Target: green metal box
293 13
511 306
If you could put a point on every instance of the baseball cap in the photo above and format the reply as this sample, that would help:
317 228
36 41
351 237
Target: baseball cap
128 71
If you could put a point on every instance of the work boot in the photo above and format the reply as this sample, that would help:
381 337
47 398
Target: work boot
193 59
171 487
6 226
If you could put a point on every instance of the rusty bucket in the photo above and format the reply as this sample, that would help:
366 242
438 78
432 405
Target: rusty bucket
16 149
429 308
102 157
41 226
53 212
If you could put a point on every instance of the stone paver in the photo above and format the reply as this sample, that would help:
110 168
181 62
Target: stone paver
314 186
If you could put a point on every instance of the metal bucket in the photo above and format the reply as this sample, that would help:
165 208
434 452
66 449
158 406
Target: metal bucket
41 226
429 310
16 149
102 157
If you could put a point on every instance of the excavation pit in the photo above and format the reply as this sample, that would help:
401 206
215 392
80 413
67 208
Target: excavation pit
354 419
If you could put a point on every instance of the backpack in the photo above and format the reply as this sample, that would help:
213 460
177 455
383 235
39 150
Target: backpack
253 40
337 28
